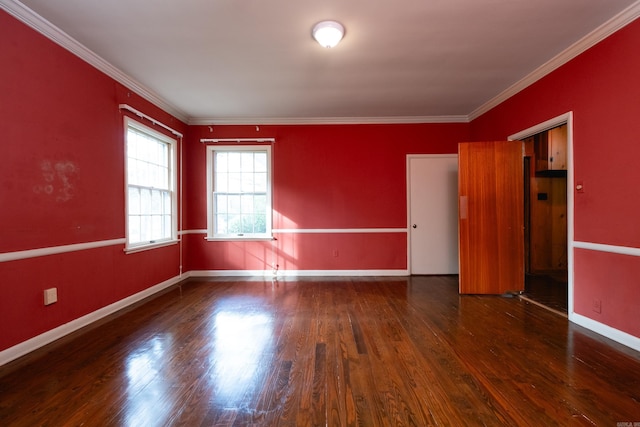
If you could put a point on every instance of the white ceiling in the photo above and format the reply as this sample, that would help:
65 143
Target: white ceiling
254 61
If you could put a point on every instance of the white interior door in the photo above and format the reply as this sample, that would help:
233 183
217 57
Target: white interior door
433 213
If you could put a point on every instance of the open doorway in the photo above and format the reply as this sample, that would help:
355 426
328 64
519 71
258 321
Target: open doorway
546 169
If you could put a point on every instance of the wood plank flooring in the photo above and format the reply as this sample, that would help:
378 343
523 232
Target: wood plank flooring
550 290
326 351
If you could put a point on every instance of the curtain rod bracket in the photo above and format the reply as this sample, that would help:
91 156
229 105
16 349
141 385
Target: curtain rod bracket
151 119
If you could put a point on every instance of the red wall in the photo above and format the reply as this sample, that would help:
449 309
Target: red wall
601 88
324 177
62 183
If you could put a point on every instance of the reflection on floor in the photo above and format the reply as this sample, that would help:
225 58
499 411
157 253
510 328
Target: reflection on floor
549 290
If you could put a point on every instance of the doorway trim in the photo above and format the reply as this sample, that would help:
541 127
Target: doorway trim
562 119
408 190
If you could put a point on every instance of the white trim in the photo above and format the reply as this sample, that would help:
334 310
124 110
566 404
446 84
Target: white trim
210 151
408 193
541 127
297 273
185 232
54 250
606 331
622 250
204 121
171 142
336 230
41 340
594 37
55 34
239 239
311 231
145 247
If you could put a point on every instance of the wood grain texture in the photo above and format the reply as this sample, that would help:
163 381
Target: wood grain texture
335 352
491 233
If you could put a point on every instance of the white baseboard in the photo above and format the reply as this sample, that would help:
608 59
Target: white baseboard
606 331
41 340
297 273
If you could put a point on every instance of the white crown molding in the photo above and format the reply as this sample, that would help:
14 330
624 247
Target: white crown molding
46 28
208 121
55 34
602 32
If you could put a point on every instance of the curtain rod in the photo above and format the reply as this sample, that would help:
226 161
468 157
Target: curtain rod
151 119
238 140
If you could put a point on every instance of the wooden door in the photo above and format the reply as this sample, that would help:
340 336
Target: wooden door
433 207
491 217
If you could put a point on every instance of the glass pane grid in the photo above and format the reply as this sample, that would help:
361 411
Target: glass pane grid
148 160
239 193
149 196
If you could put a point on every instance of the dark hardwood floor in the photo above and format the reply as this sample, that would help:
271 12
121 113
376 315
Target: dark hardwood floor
549 290
337 352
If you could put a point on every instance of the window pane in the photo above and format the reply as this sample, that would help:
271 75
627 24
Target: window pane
166 226
260 223
246 203
221 161
242 181
234 162
247 223
221 224
221 182
149 196
134 201
221 201
247 182
134 228
260 204
156 227
260 182
247 162
235 182
234 204
145 201
234 224
145 228
156 202
166 209
260 160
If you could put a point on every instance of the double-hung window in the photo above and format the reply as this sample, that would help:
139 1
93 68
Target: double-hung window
239 192
150 187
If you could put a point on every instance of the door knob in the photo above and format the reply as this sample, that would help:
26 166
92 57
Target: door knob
415 226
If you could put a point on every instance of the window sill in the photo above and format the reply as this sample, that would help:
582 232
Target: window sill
140 248
239 239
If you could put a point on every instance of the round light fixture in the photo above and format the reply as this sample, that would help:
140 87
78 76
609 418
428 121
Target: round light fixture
328 33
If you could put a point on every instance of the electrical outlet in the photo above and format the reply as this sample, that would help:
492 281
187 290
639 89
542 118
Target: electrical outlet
335 253
597 306
50 296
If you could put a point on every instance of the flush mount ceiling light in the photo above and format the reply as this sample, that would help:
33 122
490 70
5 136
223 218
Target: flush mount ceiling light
328 33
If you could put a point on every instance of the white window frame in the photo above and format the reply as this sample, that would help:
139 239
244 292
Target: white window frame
171 142
211 234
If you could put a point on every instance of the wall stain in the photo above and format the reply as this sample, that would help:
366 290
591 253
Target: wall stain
58 180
